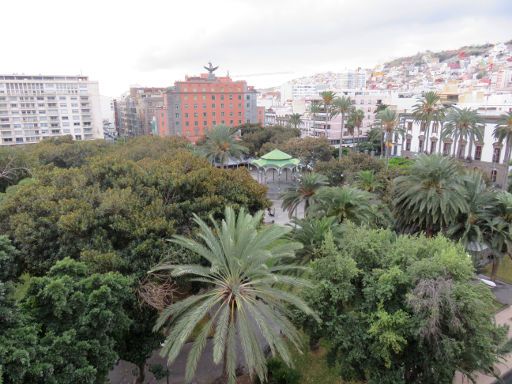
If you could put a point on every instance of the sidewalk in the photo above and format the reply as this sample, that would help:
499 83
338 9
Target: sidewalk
502 317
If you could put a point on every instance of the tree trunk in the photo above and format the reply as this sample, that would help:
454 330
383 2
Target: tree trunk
341 134
142 373
427 131
506 161
382 144
440 137
455 145
494 270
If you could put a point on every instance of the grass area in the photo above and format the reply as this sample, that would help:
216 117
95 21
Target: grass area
504 270
313 366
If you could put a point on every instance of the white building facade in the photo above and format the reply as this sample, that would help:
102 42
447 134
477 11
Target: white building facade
33 108
487 155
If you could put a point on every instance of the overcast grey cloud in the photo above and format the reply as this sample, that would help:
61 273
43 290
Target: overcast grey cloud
154 42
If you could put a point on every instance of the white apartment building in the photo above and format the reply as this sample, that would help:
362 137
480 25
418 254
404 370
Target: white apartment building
352 80
33 108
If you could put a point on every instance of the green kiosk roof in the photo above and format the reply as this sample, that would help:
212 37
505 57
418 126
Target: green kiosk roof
276 159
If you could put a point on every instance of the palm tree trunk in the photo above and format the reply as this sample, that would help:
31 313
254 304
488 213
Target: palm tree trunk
341 134
506 161
427 129
440 137
494 270
455 145
382 143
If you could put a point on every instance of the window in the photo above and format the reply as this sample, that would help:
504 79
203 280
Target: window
462 150
420 146
494 174
195 106
213 97
446 148
204 123
478 152
204 114
214 122
196 123
222 114
496 155
186 115
213 105
230 97
78 137
222 97
434 127
186 124
422 127
19 139
239 97
195 114
432 146
222 106
177 115
409 126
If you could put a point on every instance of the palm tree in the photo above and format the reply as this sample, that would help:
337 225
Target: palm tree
357 117
503 131
470 225
344 203
244 298
304 191
389 121
327 106
342 105
367 181
295 119
221 145
463 124
431 196
311 233
428 109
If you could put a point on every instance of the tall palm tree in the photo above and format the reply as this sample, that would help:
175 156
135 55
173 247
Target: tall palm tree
327 105
431 196
304 191
244 298
357 117
389 121
463 124
427 110
221 144
503 131
342 106
344 203
295 119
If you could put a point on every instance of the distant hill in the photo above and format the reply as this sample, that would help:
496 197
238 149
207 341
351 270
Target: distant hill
443 56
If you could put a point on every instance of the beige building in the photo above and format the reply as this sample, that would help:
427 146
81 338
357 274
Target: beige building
33 108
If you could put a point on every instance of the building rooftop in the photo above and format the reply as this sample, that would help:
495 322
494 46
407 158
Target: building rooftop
41 77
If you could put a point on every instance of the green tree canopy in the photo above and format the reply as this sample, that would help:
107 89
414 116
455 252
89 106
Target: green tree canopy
400 309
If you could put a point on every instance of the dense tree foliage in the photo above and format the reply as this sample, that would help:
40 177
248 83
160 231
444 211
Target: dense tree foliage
110 208
402 309
255 136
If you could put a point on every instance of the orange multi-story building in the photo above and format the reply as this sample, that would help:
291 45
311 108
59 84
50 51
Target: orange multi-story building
199 103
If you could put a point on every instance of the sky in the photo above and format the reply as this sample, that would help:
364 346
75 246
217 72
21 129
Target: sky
266 42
